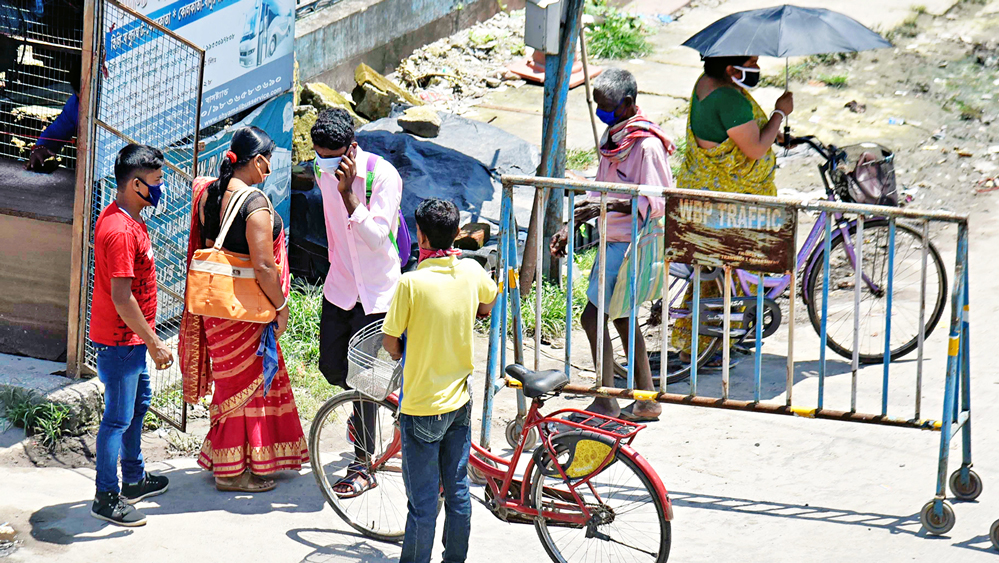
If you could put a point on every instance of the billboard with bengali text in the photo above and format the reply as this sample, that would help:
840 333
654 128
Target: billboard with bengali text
249 48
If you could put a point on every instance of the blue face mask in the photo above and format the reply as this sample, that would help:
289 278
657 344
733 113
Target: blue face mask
155 192
608 117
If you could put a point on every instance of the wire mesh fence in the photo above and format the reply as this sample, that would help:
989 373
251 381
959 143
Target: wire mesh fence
40 49
149 92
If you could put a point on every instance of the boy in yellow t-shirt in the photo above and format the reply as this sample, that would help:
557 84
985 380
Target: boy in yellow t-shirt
436 306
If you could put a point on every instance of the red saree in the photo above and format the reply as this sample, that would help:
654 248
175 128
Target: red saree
249 430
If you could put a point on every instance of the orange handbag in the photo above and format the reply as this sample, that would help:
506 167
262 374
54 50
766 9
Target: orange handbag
223 284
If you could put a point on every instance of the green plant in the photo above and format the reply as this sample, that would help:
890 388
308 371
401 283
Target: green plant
919 9
833 80
37 418
580 159
300 345
677 159
619 35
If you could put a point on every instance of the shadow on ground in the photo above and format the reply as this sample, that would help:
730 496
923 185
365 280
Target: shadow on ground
191 491
360 549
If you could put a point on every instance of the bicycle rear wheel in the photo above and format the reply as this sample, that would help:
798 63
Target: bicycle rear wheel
874 303
628 522
649 319
336 439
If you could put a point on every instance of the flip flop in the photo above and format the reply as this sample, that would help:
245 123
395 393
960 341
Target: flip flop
350 480
252 488
628 415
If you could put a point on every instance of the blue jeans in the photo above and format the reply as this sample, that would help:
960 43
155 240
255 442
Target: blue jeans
122 370
434 454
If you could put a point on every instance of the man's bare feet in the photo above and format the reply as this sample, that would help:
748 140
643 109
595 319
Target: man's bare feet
641 411
604 406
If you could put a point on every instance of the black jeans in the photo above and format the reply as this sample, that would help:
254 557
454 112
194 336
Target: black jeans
336 327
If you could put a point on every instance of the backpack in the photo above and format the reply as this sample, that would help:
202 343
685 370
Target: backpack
401 240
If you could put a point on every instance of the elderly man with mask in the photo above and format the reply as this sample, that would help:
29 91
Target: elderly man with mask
633 150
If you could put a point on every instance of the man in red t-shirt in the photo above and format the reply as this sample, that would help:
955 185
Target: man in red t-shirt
122 328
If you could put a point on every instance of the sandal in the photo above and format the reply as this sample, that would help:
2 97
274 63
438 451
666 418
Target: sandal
350 480
246 482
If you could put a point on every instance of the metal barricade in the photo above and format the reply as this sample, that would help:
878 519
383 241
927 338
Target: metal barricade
148 91
855 255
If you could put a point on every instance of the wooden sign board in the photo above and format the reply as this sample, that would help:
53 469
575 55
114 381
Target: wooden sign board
741 235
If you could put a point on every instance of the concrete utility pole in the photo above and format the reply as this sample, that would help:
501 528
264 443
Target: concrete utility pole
558 70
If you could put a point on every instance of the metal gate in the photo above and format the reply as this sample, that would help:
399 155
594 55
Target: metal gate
146 89
730 231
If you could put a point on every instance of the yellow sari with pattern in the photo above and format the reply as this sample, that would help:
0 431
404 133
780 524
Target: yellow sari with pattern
723 168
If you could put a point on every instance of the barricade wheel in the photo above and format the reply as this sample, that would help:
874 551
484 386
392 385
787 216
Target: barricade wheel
477 477
937 524
513 431
965 491
994 534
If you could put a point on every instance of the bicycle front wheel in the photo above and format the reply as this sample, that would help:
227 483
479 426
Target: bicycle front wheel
628 518
874 292
352 431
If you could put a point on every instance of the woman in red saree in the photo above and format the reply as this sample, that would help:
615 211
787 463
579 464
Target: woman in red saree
255 430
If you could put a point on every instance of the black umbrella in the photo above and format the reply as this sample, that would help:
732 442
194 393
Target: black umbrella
784 31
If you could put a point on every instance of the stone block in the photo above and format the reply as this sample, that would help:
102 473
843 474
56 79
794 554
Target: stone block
322 97
301 143
35 378
421 120
374 94
472 236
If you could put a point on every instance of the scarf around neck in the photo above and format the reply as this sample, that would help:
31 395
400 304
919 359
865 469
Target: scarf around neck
623 136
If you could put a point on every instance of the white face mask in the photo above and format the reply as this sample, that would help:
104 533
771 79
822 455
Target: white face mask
328 165
750 77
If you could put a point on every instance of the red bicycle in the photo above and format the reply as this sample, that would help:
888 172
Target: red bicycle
589 494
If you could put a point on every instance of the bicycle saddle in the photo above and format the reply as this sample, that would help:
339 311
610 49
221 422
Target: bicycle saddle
538 383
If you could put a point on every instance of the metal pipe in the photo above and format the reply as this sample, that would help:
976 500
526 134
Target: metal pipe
922 318
752 406
695 325
965 374
726 330
823 333
953 351
732 197
891 282
632 285
857 281
539 282
601 288
758 368
664 350
570 261
792 298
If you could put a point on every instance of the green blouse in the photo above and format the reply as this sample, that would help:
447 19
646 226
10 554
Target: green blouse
719 111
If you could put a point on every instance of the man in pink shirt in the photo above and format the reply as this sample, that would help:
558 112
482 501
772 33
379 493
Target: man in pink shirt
633 150
364 262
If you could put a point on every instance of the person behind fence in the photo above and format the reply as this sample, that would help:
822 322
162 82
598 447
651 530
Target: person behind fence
255 430
123 330
729 149
436 307
633 150
62 130
364 263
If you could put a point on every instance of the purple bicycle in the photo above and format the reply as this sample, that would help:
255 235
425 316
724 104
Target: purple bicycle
862 173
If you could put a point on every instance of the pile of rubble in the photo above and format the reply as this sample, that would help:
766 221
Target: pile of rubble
452 73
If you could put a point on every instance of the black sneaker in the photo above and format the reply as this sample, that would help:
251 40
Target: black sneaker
150 486
111 508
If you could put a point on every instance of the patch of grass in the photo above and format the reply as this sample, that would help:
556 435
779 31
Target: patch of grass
920 9
834 80
618 36
907 29
677 159
968 111
300 345
44 420
802 70
580 159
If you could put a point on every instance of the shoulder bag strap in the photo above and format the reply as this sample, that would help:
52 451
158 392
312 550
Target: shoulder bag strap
231 210
369 182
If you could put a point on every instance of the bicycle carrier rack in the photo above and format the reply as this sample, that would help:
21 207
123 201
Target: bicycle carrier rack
736 233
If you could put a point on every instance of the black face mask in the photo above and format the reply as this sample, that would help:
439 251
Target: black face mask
750 77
